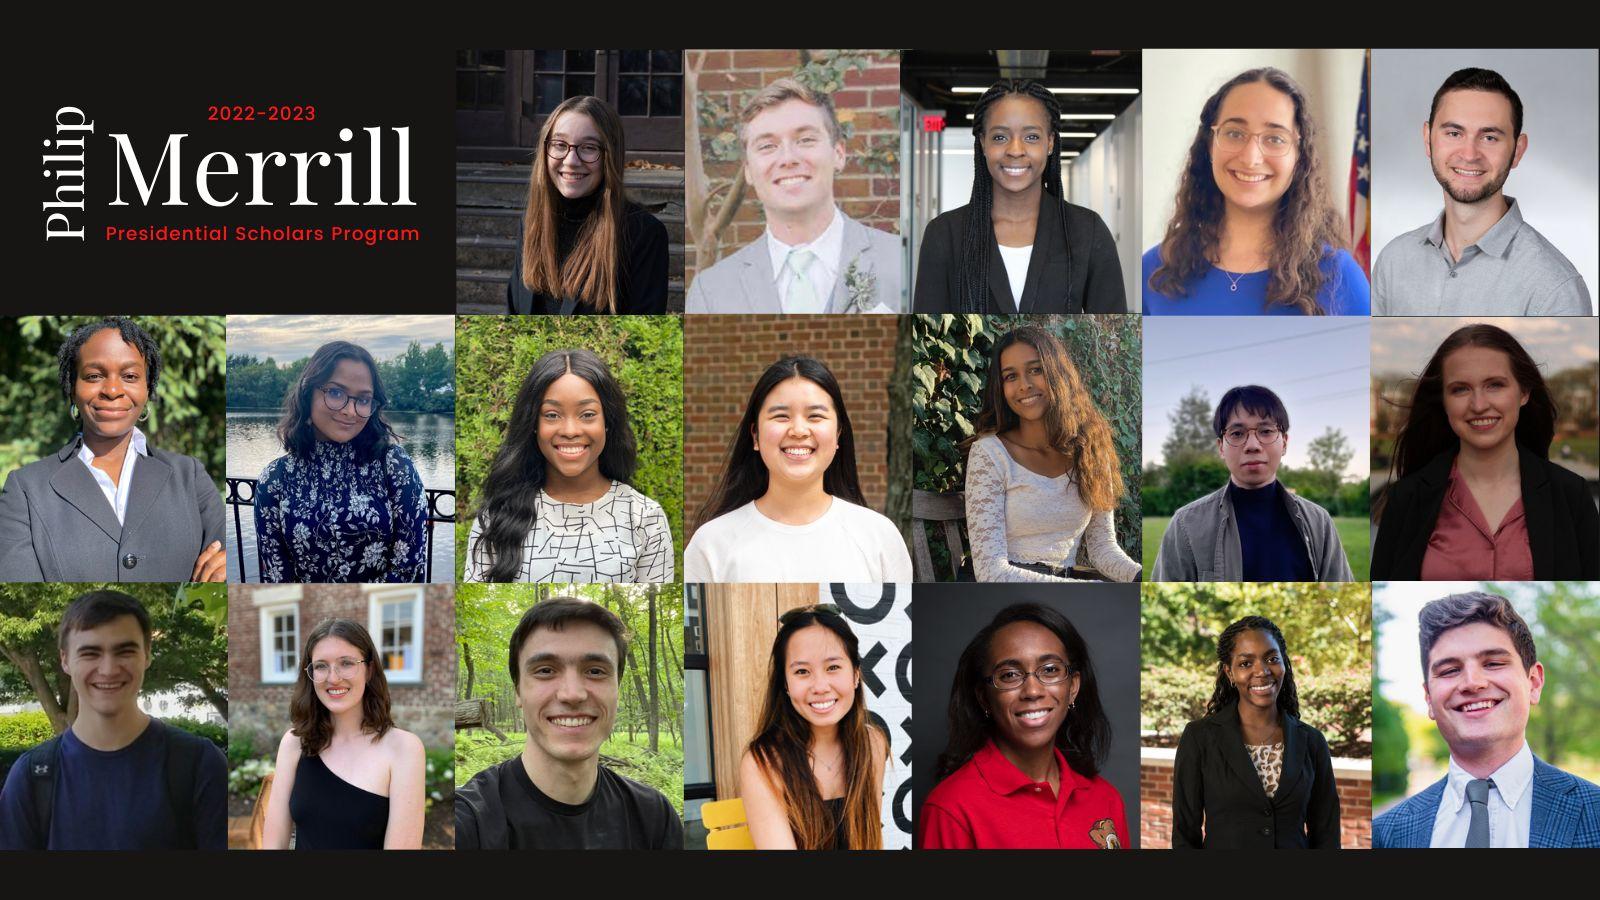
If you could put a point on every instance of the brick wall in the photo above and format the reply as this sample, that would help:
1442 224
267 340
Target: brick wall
261 711
868 99
1352 779
723 356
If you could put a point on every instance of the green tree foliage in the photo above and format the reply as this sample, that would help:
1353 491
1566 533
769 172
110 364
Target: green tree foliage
417 380
1565 620
1328 626
1191 436
186 412
950 360
644 353
1390 745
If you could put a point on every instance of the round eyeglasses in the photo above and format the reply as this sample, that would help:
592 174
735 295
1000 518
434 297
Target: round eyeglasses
558 149
1274 142
1009 678
337 398
1266 434
346 667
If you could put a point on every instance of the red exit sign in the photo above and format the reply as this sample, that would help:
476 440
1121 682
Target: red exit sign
933 122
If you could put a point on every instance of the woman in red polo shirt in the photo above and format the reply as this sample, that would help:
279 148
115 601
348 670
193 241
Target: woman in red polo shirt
1027 738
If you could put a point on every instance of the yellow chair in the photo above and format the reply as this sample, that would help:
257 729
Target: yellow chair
724 821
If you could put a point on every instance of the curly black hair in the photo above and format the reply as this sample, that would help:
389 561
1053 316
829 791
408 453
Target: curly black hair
67 356
1225 694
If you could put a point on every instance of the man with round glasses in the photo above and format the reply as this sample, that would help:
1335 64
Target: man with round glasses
1252 528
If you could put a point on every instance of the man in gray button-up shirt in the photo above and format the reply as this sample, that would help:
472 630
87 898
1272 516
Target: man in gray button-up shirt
1479 257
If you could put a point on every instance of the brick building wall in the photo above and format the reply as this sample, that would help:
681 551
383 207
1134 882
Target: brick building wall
868 99
723 356
260 710
1352 779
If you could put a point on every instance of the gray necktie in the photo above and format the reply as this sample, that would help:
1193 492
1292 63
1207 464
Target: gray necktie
1478 797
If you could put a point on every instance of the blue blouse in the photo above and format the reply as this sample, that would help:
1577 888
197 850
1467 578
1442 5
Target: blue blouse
332 519
1345 291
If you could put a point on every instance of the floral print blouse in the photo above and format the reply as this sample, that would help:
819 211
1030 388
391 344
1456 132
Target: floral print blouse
331 518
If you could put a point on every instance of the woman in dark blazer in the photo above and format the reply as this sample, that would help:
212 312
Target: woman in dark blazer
107 506
1018 221
1251 775
1475 496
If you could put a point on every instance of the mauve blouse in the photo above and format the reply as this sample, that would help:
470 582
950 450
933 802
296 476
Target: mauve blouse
1464 548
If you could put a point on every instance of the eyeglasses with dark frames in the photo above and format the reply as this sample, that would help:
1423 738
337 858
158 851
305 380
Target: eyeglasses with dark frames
1266 434
336 398
555 148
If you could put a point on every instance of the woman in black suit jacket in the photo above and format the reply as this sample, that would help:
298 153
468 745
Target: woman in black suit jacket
1482 419
1251 775
1018 215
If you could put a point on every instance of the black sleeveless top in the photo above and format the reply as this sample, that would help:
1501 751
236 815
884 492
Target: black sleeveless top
841 840
330 813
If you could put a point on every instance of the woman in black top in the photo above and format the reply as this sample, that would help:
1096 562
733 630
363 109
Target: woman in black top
583 248
1018 246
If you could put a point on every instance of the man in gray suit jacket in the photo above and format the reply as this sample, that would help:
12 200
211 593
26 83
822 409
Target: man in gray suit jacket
812 258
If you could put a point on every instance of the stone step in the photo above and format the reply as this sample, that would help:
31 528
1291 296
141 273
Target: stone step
499 221
493 252
481 291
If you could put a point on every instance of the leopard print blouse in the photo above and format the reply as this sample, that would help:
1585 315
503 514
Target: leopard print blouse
1268 759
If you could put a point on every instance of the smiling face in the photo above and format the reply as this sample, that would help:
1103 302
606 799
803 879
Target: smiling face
567 690
797 431
107 664
819 677
573 177
1248 178
572 428
351 380
1023 381
1253 465
110 389
1478 692
1481 397
790 159
340 692
1256 669
1018 138
1028 717
1470 146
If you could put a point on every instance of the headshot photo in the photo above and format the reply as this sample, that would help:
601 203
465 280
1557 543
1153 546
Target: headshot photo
1485 195
569 725
569 182
1483 449
114 717
1027 728
1256 698
113 466
1246 207
1026 441
1231 492
792 182
786 450
341 736
809 746
1027 184
341 437
570 449
1483 715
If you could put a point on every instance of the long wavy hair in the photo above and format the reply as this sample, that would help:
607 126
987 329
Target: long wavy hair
782 748
510 503
1225 694
309 719
979 234
295 430
1076 428
1084 738
591 272
744 474
1306 228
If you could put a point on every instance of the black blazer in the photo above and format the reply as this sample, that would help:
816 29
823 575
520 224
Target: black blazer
1215 785
1086 280
644 274
1563 525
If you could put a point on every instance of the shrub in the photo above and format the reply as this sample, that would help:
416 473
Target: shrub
1337 705
244 780
440 776
19 731
216 734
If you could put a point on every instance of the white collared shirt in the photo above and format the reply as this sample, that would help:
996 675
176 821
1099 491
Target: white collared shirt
116 494
1510 804
824 270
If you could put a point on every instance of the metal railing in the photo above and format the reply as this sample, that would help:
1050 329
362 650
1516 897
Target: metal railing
242 492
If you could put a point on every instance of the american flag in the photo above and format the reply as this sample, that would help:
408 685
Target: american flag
1361 177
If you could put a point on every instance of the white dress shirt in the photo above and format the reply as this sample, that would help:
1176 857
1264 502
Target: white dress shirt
822 273
1510 804
116 494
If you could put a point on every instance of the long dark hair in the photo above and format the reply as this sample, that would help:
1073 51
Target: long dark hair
591 272
979 234
309 719
1084 738
1225 694
510 502
295 430
782 747
744 474
1306 228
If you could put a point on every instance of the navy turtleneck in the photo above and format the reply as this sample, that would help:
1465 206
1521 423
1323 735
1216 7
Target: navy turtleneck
1272 545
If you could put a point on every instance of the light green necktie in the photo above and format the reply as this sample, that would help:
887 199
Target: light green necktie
802 295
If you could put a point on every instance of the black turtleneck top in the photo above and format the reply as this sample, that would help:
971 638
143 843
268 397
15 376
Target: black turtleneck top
643 286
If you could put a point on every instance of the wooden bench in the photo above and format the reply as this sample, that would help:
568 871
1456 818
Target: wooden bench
949 510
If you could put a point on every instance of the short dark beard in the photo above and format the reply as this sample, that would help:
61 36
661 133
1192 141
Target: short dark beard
1489 189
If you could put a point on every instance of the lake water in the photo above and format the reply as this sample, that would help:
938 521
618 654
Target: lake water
429 439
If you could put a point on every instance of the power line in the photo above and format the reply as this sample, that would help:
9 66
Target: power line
1320 333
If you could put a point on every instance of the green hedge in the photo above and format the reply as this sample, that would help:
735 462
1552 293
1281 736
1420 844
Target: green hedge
216 734
1339 706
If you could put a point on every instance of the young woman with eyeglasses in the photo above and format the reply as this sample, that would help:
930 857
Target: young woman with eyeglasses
346 777
1026 741
583 247
345 504
1253 231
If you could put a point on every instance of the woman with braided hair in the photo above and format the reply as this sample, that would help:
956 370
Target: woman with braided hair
1251 774
1018 246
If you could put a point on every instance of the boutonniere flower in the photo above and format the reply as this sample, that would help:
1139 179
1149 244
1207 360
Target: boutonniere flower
861 284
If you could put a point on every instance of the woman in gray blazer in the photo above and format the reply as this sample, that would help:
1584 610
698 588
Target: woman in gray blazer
107 506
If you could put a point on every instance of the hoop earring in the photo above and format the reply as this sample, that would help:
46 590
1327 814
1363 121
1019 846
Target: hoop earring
72 410
146 414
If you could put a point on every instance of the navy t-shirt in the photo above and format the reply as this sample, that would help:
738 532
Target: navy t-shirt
117 800
1272 546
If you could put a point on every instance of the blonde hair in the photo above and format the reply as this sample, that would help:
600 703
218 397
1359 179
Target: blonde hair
782 91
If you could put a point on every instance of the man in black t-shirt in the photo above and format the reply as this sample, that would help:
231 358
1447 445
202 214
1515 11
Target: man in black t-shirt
566 660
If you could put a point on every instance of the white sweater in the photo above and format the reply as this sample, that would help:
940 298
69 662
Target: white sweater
848 543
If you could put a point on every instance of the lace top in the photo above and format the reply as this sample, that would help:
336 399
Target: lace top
1017 514
1268 760
622 538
